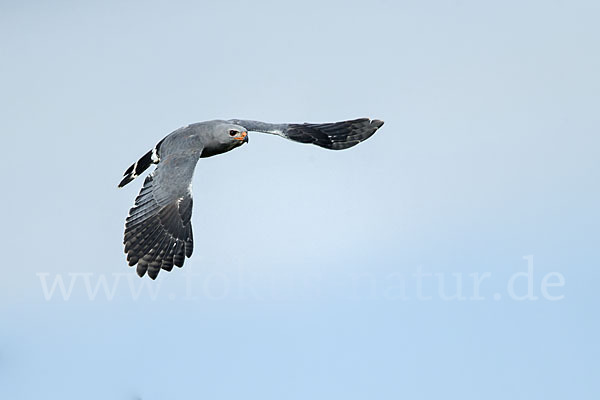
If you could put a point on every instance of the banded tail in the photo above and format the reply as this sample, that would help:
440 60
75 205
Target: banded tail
135 170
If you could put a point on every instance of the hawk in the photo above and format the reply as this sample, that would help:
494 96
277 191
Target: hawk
158 229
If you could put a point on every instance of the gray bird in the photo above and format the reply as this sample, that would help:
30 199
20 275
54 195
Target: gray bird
158 229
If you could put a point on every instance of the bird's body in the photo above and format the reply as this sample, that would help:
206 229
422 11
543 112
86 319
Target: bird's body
158 229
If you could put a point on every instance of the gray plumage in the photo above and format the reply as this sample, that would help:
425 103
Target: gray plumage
158 229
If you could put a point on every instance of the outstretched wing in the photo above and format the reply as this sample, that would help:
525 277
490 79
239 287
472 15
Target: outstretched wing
333 135
158 229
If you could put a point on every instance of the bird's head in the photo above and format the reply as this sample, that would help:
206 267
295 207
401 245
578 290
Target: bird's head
225 137
237 134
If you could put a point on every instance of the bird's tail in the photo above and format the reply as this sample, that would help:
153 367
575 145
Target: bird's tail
135 170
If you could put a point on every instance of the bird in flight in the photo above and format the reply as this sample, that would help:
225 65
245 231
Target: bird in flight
158 229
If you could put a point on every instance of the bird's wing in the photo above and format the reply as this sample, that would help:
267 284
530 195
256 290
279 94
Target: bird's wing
158 229
333 135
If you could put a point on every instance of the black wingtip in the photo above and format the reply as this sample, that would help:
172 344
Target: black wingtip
377 123
125 181
141 270
334 135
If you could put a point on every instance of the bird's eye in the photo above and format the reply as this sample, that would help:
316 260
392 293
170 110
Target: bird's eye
233 133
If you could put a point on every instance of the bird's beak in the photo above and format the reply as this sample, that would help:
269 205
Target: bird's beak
243 137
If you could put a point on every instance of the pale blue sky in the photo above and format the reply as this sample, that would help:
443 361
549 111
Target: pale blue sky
305 278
